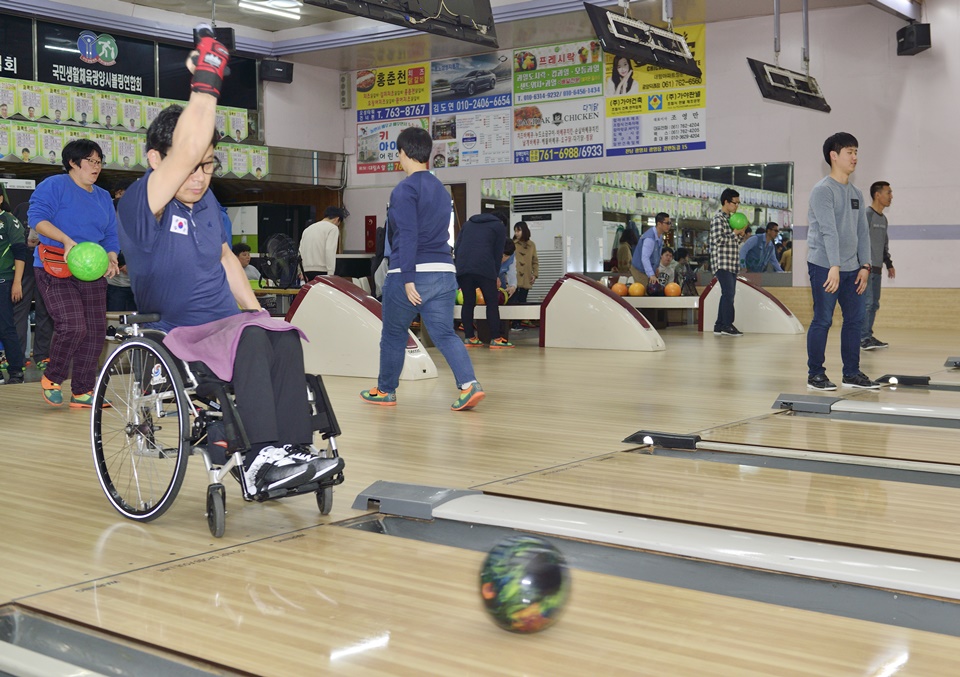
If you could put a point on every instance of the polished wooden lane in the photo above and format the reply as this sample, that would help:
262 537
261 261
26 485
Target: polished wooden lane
544 408
860 438
895 516
355 603
912 397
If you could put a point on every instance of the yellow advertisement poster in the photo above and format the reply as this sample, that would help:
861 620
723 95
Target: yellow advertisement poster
393 92
650 109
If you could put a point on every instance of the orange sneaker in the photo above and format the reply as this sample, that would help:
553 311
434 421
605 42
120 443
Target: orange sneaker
51 392
500 343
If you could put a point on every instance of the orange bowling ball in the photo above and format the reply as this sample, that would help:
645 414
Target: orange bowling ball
619 289
637 289
480 300
672 289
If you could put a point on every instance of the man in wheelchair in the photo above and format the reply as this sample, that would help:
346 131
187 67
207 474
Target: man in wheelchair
182 267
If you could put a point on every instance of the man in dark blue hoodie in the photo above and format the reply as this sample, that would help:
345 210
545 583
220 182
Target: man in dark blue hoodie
478 254
421 278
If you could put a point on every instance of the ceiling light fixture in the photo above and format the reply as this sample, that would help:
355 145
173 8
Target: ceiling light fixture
274 7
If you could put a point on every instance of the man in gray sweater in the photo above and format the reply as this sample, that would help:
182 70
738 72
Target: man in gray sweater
838 260
882 195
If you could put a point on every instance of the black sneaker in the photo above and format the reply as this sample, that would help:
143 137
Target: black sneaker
821 382
871 344
860 380
877 343
730 331
14 377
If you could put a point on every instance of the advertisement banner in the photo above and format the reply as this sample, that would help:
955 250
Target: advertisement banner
471 83
81 107
24 140
561 130
106 110
485 138
151 109
237 124
30 97
131 112
239 160
50 138
377 145
105 139
568 71
56 103
259 162
393 92
655 110
8 98
129 148
5 138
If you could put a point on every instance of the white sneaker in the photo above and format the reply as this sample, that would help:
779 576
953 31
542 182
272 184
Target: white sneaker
302 453
273 469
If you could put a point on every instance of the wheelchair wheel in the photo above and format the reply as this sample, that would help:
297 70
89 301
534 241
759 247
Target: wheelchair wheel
325 499
141 439
216 510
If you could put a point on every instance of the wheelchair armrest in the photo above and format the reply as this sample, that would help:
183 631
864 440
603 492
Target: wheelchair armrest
136 318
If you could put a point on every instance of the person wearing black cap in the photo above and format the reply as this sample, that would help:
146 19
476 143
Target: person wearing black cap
318 244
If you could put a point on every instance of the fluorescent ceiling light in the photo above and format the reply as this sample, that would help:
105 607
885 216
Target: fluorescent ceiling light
274 7
757 174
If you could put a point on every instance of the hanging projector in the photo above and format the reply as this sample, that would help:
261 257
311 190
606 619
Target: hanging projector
645 44
785 86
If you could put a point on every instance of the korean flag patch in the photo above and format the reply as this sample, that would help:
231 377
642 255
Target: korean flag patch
178 225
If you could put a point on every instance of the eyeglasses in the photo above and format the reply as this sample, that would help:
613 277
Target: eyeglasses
95 163
736 202
208 167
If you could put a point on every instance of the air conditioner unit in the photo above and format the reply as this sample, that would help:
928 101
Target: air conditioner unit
567 228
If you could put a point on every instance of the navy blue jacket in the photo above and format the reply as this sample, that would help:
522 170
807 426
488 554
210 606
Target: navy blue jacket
479 249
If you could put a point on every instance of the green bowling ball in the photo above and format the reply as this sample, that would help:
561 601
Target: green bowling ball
459 297
88 261
738 221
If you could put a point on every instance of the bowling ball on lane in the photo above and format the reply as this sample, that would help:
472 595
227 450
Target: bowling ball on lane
654 288
525 584
637 289
619 289
672 289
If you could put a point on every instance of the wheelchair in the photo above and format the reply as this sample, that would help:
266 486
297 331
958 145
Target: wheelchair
161 410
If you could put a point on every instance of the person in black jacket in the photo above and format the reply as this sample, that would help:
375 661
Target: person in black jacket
478 254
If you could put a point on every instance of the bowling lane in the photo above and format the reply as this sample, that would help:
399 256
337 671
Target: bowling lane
896 516
913 397
902 442
344 602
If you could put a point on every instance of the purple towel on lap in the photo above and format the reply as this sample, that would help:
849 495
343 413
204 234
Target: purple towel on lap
215 343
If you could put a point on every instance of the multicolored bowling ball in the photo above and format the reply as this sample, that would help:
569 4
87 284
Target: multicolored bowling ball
502 296
636 289
619 289
525 584
654 288
480 300
738 221
88 261
672 289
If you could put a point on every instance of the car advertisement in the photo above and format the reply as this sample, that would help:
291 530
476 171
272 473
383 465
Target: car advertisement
568 71
471 83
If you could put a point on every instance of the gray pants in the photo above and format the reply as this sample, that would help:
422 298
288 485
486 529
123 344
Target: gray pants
43 331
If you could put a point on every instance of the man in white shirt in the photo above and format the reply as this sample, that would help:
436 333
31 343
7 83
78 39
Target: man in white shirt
318 244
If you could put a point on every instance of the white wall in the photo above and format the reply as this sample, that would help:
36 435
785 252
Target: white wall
903 110
306 113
